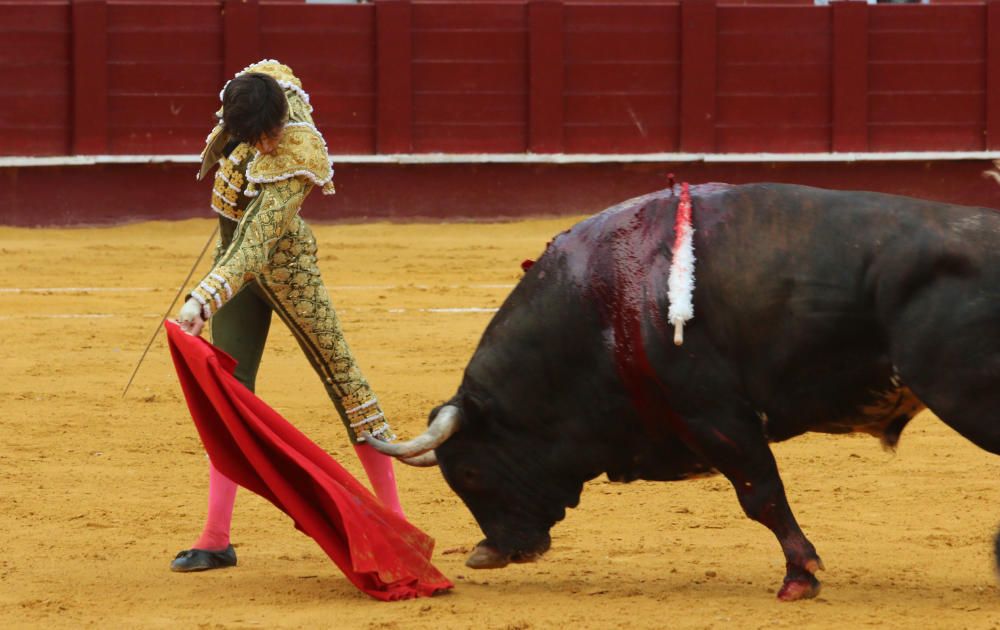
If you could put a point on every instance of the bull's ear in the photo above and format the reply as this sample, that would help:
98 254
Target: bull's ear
476 409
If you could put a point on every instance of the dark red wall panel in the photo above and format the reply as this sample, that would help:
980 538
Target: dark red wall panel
35 91
470 60
927 68
164 73
773 90
992 79
332 49
622 77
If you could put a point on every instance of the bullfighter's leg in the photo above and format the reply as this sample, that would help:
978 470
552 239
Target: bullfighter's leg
295 290
240 329
739 450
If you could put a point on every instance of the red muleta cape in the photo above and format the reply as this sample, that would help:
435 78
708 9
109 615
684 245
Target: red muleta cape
379 552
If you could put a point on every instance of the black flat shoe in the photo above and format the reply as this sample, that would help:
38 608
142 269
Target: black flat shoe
203 560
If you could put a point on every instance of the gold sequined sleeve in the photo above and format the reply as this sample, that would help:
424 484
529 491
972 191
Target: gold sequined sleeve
266 220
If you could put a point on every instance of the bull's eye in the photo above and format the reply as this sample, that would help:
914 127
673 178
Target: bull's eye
469 477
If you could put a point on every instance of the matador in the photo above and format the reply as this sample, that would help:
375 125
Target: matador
269 157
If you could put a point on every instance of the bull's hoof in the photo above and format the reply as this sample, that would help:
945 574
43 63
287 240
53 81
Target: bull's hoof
803 587
523 558
486 557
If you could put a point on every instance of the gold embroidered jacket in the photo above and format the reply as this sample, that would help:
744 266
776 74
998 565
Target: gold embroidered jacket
262 192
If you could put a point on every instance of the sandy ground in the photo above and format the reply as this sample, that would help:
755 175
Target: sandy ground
98 493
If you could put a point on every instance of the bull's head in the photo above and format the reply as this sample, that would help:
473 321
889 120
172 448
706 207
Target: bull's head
508 478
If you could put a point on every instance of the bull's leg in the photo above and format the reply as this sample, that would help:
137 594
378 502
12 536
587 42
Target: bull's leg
950 357
740 452
944 337
965 395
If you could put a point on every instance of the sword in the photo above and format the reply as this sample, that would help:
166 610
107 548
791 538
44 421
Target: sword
170 308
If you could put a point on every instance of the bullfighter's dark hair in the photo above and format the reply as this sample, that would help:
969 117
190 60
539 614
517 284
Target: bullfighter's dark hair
253 104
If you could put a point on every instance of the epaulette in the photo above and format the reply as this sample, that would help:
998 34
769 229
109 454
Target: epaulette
302 153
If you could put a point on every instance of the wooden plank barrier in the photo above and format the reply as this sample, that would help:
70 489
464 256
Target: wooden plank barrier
125 77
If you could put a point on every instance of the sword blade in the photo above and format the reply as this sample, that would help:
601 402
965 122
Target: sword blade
170 308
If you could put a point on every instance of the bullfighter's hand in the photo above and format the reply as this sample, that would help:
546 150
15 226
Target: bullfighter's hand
190 318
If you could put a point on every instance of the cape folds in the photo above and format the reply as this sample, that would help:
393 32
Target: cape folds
378 551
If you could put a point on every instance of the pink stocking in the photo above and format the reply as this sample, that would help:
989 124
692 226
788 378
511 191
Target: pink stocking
378 467
221 498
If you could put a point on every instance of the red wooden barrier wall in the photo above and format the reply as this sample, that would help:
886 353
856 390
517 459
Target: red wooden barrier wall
35 61
97 77
162 77
622 73
926 78
773 79
133 77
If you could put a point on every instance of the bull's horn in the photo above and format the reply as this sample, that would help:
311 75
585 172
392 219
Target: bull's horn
426 460
442 427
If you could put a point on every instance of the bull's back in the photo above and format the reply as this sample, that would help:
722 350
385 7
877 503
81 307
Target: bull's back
789 282
802 288
809 257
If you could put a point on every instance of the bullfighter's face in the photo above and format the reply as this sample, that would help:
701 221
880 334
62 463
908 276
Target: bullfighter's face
268 142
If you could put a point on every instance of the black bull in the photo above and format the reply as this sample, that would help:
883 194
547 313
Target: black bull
815 310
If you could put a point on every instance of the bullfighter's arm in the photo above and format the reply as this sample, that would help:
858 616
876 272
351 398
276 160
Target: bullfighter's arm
265 221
